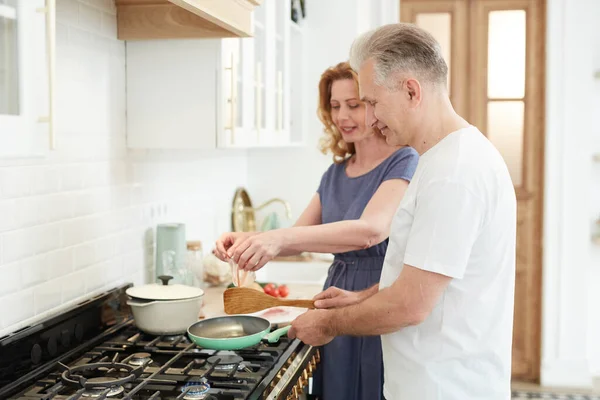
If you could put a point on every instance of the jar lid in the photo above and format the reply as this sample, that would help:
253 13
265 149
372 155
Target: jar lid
194 245
164 291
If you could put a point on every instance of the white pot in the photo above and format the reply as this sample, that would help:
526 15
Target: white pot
165 309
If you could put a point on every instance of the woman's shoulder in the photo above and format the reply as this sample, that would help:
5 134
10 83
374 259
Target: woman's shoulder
402 163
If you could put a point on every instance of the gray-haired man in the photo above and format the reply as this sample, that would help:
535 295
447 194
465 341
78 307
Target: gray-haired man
445 302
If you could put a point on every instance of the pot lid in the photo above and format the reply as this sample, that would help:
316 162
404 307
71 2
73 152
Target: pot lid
164 291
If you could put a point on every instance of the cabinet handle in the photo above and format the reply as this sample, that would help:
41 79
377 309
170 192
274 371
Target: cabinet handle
232 99
50 10
258 108
279 101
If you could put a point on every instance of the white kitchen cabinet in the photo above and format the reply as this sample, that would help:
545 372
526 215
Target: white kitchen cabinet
269 90
26 77
219 93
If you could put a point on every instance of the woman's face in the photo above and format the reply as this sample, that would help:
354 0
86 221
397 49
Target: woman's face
347 111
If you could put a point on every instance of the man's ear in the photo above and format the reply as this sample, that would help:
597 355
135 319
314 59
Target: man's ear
414 92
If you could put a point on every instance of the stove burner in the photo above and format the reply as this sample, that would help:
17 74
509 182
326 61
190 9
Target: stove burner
99 391
98 377
195 390
226 361
140 359
170 338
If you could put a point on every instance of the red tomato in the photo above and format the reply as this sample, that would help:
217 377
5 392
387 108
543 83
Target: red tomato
275 292
284 291
268 289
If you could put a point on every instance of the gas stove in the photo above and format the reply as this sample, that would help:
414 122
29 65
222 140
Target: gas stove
95 351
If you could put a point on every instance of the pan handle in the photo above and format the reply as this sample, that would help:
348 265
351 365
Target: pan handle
274 336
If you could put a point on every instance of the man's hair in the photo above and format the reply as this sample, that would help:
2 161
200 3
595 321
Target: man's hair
403 48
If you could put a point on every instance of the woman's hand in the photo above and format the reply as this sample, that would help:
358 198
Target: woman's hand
226 241
254 252
335 297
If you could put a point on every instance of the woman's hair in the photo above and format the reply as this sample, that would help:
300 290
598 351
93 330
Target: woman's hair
333 141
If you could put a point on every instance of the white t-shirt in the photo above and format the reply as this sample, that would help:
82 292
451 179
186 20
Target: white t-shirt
457 218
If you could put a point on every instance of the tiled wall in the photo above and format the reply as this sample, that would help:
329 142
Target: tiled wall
80 220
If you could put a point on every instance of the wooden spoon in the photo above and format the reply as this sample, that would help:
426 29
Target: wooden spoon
243 300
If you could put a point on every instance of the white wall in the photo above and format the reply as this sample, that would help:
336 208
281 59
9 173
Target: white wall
571 325
77 222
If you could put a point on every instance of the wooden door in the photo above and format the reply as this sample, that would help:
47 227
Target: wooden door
495 53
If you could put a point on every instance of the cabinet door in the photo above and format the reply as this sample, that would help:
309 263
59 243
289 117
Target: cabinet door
261 67
237 103
25 67
280 77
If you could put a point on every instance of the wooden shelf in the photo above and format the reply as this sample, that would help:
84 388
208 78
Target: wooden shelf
176 19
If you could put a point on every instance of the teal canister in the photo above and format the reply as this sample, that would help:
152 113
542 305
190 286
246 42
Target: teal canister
171 252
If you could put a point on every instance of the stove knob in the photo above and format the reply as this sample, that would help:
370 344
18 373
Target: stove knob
36 354
78 332
65 338
52 346
299 385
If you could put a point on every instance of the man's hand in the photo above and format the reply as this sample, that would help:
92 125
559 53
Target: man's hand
312 328
227 240
335 297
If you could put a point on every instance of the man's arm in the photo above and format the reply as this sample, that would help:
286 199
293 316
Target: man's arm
407 302
335 297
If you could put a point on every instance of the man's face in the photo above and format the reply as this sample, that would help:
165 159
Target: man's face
385 108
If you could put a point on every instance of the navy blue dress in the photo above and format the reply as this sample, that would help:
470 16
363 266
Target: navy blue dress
351 368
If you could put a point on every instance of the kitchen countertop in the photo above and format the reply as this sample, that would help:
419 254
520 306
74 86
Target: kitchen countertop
213 297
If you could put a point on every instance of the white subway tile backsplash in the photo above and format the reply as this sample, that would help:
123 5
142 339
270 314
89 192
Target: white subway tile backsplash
67 11
30 241
34 270
73 286
84 255
29 211
17 307
57 207
45 180
89 18
8 216
47 296
11 278
96 276
59 262
83 219
71 177
109 24
15 182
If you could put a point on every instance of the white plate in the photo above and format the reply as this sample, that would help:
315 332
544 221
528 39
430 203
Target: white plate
280 315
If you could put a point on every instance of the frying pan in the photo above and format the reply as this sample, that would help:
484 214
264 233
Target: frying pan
233 332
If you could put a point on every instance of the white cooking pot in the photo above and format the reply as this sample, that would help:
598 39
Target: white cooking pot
163 309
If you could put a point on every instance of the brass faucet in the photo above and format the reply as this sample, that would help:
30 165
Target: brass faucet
243 218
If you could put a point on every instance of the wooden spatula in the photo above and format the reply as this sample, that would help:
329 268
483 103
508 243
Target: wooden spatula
243 300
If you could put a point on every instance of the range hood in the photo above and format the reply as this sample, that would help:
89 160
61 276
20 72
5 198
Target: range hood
178 19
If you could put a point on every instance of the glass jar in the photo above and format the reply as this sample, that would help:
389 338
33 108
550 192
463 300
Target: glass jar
194 262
